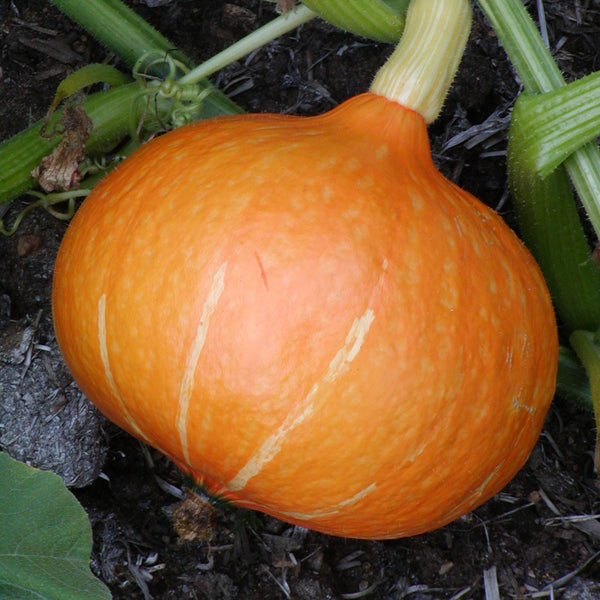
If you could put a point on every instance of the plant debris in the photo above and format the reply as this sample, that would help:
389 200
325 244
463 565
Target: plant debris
60 169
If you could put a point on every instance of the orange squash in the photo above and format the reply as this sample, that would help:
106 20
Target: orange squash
310 320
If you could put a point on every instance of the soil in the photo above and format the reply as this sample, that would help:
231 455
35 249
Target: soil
525 542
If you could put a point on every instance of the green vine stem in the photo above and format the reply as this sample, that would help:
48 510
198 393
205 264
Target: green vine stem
376 19
551 229
523 45
119 28
19 155
115 112
129 36
539 74
112 111
276 28
555 124
551 123
545 129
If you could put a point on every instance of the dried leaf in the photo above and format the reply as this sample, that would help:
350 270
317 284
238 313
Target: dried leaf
60 169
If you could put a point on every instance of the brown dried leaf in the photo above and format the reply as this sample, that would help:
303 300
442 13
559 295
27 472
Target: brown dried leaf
60 169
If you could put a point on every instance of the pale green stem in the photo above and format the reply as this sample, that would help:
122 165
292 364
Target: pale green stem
257 39
420 71
523 44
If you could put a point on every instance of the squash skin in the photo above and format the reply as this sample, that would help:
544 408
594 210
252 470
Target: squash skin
310 320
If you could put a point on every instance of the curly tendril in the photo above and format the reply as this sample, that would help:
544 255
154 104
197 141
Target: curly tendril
167 100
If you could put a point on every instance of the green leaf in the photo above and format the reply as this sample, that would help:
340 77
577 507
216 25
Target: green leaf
572 382
45 539
87 75
587 348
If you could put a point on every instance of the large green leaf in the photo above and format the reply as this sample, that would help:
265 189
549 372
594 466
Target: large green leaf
45 538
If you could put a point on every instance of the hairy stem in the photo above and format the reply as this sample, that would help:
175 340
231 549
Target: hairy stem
419 73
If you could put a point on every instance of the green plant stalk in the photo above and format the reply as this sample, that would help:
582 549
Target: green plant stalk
126 33
129 36
111 113
545 130
561 250
583 167
553 125
544 202
539 74
375 19
587 348
119 28
523 45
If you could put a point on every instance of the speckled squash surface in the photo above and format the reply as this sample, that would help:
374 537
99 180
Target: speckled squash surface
310 320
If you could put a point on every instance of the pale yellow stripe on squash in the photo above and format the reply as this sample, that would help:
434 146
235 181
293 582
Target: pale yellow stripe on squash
324 512
107 370
272 446
187 381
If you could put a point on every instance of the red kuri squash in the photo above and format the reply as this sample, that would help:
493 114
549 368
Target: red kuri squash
310 320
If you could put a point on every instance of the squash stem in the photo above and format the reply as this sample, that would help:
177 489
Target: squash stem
420 71
552 122
119 28
523 44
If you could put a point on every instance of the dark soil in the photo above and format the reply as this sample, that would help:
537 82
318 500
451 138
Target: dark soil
525 539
